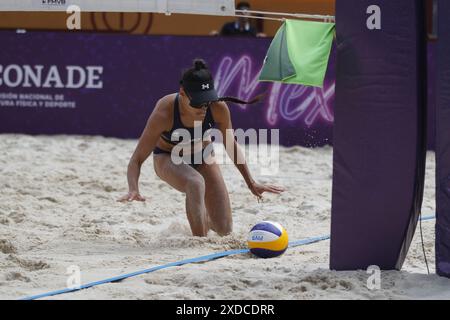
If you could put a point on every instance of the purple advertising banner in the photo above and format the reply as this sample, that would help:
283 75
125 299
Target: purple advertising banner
107 84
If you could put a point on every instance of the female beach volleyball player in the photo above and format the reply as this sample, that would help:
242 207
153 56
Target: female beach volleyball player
207 200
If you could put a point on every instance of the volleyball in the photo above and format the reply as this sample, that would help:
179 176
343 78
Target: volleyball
267 239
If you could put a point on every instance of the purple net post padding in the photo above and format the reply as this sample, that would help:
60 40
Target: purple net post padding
379 132
443 143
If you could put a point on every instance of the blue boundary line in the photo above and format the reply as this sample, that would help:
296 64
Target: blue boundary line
177 264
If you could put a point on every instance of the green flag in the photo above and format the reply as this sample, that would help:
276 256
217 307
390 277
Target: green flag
299 53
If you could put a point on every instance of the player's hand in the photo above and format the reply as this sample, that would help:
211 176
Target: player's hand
131 196
258 189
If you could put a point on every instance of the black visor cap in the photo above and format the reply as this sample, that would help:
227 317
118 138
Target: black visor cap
200 92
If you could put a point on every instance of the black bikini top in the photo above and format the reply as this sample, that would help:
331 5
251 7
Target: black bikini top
171 136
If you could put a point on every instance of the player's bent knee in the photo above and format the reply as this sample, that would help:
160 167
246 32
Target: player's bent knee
195 184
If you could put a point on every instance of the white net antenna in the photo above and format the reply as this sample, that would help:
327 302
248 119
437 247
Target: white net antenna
206 7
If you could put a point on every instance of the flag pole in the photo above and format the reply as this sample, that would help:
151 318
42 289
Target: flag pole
326 18
256 17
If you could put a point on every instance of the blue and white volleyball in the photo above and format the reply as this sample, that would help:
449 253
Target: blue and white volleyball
268 239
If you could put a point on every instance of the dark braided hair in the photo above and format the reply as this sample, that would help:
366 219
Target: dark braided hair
198 72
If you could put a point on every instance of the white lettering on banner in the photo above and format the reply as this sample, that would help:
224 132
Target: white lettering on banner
54 2
94 73
36 100
30 74
53 77
39 76
8 76
71 75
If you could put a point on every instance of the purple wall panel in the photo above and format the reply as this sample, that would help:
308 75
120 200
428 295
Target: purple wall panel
443 143
379 133
137 71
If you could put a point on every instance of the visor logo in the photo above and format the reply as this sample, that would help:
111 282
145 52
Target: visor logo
205 86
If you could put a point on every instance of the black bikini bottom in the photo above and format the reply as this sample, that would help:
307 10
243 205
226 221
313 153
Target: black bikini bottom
190 161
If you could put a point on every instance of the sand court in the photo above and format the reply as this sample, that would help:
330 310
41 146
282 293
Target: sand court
58 209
